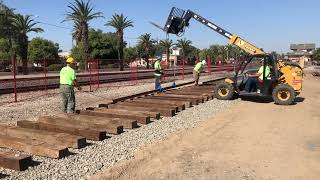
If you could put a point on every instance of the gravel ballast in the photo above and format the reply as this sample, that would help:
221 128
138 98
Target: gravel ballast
98 155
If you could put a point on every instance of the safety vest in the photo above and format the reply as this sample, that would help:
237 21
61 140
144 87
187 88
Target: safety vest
198 67
67 75
266 72
157 68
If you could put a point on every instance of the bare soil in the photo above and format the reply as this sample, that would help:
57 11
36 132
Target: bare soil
251 140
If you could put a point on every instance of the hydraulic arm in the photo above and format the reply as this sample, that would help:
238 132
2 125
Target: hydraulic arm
178 20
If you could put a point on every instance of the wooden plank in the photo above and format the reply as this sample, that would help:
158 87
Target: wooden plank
158 102
34 147
126 123
150 103
188 91
15 161
203 94
155 115
88 133
162 111
108 127
140 119
192 94
184 97
188 103
61 139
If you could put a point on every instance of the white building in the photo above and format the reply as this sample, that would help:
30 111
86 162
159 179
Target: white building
64 54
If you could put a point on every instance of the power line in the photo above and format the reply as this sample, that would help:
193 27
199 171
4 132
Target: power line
62 27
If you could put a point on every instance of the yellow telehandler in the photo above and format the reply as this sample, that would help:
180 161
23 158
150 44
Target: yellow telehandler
283 81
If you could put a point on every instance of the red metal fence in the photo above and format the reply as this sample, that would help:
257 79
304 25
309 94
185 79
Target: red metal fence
98 73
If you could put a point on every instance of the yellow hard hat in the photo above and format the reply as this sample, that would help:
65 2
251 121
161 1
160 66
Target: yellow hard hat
70 60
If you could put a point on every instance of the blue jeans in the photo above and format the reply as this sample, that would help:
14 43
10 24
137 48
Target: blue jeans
251 84
157 83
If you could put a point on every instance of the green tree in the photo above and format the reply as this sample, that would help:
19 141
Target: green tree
8 48
81 14
166 45
120 22
130 54
22 26
185 46
6 15
146 47
316 55
4 50
40 49
102 45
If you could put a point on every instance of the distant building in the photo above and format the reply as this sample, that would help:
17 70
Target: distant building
64 54
301 52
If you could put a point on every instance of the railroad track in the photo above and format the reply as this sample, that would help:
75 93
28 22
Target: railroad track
52 136
52 82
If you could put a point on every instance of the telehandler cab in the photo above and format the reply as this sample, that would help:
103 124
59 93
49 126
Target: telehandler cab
283 83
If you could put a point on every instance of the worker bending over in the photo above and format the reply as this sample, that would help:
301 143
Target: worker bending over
157 73
197 70
67 83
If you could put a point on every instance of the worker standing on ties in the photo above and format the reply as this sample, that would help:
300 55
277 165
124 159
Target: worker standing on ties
68 81
157 73
197 70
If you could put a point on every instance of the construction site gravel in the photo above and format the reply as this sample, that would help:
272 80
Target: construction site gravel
89 160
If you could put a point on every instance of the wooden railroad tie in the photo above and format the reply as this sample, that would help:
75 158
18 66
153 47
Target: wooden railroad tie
126 123
61 139
14 161
88 133
138 117
34 147
108 127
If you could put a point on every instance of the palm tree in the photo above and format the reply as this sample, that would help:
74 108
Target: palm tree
146 43
22 26
81 13
77 32
185 46
166 44
6 15
119 22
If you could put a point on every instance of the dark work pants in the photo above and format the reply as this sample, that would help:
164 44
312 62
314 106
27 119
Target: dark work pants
68 98
251 84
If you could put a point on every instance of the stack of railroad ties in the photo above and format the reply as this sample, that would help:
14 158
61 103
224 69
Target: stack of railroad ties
51 136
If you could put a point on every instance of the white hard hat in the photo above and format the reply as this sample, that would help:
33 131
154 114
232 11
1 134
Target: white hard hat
204 62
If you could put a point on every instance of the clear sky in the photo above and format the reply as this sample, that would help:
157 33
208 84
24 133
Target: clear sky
269 24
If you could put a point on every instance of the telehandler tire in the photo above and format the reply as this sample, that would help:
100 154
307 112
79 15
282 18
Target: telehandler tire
224 91
283 94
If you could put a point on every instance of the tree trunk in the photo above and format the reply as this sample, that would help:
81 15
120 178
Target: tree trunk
168 59
85 41
23 40
120 49
147 60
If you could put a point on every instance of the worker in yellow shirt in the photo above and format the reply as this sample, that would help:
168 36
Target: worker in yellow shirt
254 79
157 73
197 70
68 81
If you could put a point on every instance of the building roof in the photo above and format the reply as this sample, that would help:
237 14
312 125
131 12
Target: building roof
299 53
298 47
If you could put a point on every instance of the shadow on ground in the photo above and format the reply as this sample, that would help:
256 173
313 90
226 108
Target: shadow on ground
263 99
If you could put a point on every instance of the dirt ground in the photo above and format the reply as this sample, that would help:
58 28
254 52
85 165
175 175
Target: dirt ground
251 140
